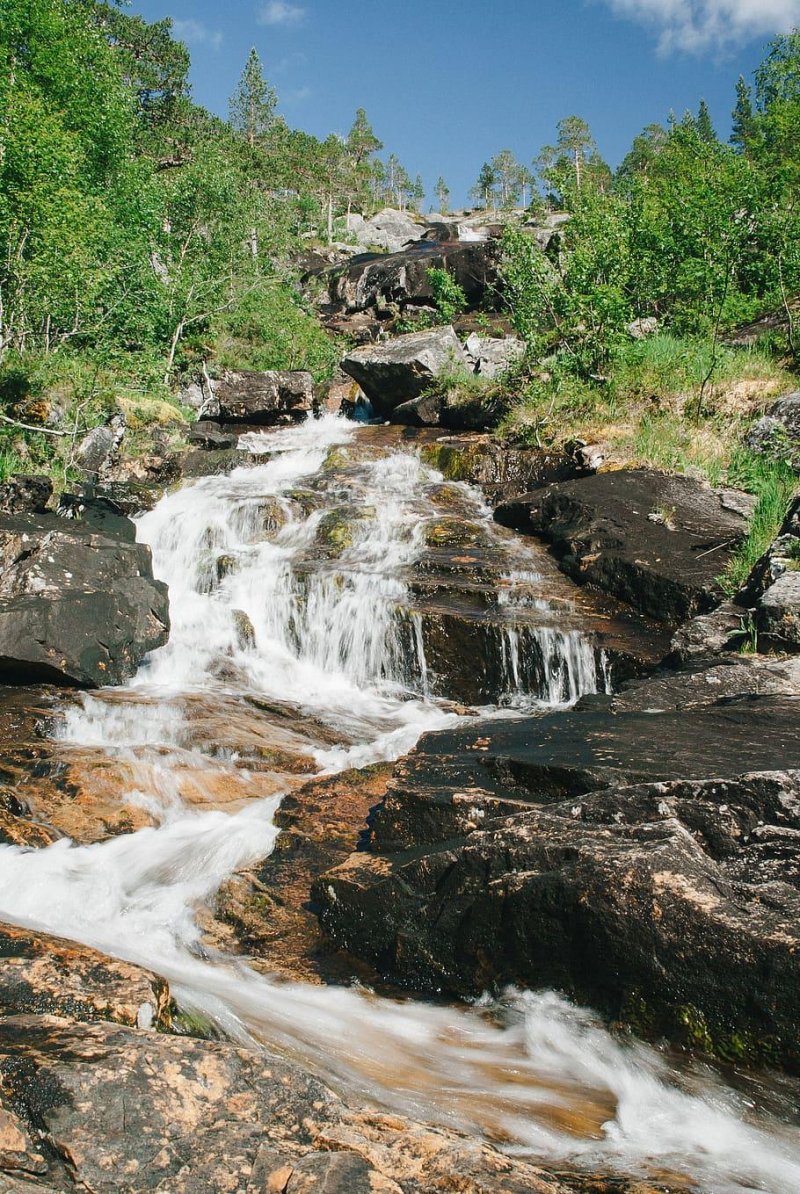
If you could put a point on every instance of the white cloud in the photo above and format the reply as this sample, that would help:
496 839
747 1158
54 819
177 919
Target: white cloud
698 25
278 12
195 33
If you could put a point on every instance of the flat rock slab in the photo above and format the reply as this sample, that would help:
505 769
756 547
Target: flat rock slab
78 605
657 541
128 1111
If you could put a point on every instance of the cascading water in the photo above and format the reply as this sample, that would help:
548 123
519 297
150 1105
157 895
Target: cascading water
265 608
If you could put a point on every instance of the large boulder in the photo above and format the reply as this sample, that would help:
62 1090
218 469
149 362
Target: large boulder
389 230
779 613
644 862
78 605
269 398
99 449
657 541
400 280
400 370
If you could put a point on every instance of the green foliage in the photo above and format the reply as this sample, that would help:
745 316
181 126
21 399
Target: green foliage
577 306
573 164
268 329
448 295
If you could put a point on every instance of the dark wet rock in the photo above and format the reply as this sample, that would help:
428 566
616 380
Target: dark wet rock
778 431
425 411
398 281
657 541
207 434
264 911
78 606
270 398
25 494
48 976
501 471
212 462
399 370
100 513
135 1111
593 853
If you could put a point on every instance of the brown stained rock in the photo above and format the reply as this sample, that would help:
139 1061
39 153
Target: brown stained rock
44 974
130 1111
265 911
50 788
18 1153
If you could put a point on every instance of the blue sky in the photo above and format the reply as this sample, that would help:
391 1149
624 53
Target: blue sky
450 83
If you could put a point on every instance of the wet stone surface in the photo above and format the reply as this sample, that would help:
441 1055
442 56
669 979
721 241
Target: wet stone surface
646 862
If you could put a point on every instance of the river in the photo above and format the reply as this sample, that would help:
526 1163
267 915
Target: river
276 602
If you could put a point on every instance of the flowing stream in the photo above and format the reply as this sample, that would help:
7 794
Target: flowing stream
289 584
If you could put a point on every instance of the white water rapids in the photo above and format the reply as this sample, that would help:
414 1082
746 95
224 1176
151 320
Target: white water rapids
532 1072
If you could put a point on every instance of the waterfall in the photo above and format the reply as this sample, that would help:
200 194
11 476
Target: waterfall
289 583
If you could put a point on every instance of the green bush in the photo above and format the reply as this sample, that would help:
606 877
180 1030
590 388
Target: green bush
448 295
269 329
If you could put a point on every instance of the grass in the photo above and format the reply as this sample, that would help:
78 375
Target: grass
643 413
774 483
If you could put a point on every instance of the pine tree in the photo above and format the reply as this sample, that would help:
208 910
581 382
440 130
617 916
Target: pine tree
252 105
704 124
506 170
361 140
484 189
417 193
744 118
442 192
